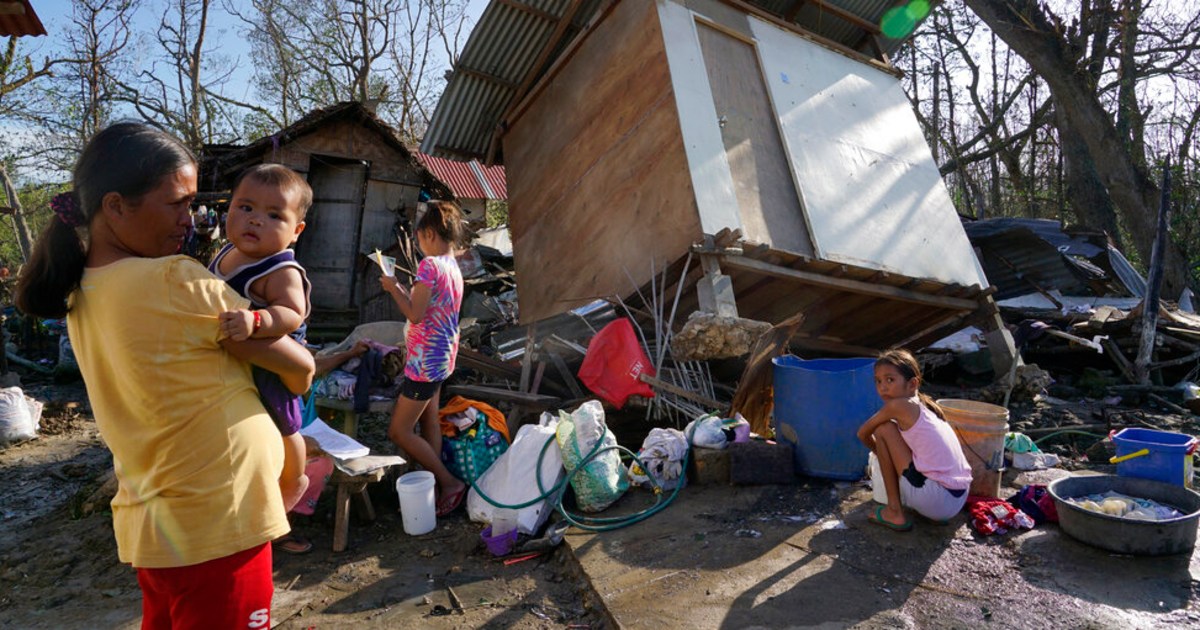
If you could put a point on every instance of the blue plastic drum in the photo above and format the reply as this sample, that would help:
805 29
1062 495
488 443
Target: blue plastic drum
819 405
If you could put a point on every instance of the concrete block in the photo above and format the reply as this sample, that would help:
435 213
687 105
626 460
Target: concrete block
709 466
759 462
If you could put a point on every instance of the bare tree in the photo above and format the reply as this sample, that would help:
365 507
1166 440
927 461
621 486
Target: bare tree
183 90
379 52
17 78
78 101
1040 37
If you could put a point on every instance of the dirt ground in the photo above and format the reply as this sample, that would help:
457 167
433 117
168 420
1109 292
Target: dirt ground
60 570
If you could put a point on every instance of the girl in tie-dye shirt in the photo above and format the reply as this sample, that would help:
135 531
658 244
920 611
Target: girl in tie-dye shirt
431 306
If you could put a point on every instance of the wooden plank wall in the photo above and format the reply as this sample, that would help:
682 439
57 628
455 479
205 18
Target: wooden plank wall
393 187
762 175
380 210
597 174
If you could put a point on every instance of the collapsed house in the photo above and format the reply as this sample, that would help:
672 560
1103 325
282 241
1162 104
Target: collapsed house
761 156
1075 304
1023 256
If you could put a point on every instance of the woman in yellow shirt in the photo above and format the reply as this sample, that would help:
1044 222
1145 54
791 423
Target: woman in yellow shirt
196 455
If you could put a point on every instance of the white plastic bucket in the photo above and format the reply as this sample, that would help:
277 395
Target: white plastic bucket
878 490
417 508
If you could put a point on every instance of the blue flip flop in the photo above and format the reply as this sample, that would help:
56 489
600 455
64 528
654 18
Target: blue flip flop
878 519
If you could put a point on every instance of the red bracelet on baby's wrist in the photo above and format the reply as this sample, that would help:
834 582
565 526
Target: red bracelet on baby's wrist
257 321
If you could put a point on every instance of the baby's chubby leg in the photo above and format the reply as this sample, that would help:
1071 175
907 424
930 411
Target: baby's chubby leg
293 482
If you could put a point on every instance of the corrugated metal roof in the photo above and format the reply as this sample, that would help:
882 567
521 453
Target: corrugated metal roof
17 18
468 180
1020 255
511 34
493 179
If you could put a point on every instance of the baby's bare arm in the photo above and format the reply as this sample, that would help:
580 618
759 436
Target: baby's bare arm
287 307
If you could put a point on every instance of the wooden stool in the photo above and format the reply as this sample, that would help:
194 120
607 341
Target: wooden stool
348 485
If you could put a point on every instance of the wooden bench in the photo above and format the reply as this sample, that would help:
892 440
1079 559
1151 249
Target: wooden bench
349 485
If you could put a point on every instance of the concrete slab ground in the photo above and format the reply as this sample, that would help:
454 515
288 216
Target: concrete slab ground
805 556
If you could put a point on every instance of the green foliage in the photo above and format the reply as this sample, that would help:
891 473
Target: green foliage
35 201
1185 213
496 213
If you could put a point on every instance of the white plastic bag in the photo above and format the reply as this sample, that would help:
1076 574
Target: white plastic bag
512 479
662 454
604 478
19 416
707 431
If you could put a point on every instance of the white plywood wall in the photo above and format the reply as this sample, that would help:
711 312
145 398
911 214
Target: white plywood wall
871 190
712 182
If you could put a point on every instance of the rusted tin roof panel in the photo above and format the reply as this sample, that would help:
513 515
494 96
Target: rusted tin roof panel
18 19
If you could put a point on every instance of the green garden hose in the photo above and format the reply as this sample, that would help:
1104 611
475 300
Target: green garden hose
593 523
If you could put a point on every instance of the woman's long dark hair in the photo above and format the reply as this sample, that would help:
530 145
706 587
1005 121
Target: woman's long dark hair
907 365
130 159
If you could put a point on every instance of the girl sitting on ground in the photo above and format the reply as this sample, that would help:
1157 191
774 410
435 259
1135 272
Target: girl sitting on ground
921 459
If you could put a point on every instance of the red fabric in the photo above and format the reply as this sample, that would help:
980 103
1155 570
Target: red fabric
613 363
230 592
995 516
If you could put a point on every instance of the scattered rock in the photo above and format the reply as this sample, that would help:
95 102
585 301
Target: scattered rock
707 336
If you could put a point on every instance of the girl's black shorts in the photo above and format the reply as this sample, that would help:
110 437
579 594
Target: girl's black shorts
419 390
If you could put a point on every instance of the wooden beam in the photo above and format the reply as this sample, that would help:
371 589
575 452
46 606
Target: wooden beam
839 12
679 391
813 37
846 284
534 11
833 345
480 362
941 323
506 395
490 78
531 75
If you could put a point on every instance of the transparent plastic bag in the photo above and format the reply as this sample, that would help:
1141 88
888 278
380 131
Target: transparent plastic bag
604 479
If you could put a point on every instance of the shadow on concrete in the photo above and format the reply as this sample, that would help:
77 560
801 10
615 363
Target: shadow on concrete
846 575
1056 562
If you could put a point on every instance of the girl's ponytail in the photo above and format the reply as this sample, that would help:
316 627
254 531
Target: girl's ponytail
906 363
928 401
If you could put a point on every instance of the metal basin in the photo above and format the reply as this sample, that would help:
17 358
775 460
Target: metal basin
1123 535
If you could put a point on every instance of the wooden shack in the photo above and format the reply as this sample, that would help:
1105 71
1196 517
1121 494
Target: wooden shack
769 140
364 180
